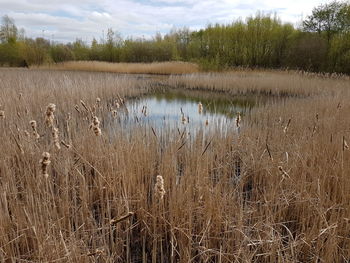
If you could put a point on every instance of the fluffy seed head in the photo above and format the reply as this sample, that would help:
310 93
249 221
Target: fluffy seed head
49 114
56 141
44 163
95 126
159 190
200 108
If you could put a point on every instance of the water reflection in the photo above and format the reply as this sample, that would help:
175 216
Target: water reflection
166 111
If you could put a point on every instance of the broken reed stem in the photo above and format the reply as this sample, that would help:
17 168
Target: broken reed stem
287 126
122 218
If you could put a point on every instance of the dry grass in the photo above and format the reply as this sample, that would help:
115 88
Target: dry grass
272 83
165 68
99 204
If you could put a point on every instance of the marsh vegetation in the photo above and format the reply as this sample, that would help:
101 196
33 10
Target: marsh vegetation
78 186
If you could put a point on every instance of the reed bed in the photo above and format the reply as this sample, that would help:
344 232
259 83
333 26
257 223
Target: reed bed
165 68
277 191
271 83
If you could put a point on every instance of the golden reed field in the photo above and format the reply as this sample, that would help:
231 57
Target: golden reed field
75 187
163 68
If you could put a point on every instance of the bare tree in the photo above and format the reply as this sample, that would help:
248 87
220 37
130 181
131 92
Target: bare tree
8 30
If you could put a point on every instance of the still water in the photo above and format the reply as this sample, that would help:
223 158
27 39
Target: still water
179 110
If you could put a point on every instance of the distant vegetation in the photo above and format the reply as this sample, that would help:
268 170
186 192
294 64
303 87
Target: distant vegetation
320 44
163 68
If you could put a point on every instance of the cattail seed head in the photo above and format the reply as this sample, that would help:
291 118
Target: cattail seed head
144 110
159 190
84 105
116 104
33 124
66 145
238 119
2 114
44 163
34 128
56 141
95 121
183 119
95 126
76 107
200 108
50 114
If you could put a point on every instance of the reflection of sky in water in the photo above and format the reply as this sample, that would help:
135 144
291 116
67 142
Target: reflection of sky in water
164 114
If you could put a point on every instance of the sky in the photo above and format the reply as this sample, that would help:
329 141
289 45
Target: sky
67 20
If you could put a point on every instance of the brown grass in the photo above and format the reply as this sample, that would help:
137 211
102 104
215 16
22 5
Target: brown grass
165 68
291 202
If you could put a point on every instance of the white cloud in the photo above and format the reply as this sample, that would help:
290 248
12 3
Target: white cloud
85 19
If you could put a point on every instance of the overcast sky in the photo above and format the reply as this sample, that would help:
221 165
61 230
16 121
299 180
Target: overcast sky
66 20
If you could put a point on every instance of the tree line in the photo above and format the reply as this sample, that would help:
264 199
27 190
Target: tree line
320 44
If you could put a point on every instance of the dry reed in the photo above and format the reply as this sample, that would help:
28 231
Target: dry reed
261 195
135 68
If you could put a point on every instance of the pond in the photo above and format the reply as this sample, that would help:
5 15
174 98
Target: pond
192 111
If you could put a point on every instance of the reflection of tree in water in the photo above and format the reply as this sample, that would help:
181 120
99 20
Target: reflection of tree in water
213 102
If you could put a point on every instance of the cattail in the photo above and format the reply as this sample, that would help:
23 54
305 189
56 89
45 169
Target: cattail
98 101
50 114
26 133
283 172
95 121
116 104
95 126
97 252
66 145
183 119
206 122
238 119
76 107
45 162
200 108
285 129
34 128
20 95
120 219
114 113
56 141
84 105
345 144
2 114
144 110
159 187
